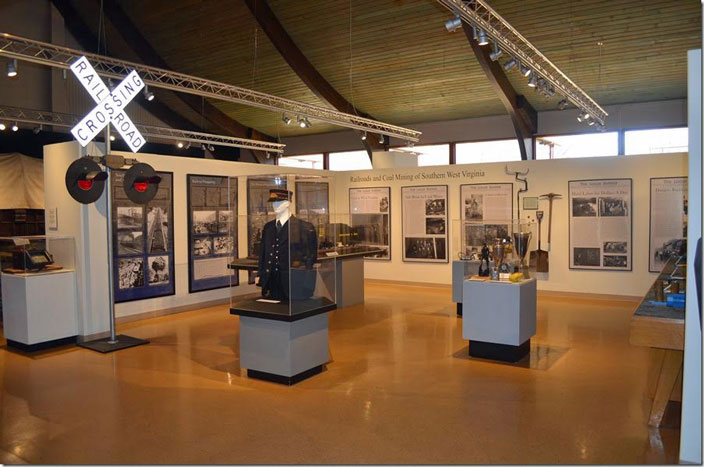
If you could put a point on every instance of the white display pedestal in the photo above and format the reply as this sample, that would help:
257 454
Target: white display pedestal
39 310
499 318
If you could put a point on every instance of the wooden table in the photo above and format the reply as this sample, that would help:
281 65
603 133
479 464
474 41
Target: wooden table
662 329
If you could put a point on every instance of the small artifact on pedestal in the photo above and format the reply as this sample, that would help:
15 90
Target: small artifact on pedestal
499 251
484 268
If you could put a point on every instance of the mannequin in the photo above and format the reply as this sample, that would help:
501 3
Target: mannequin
288 251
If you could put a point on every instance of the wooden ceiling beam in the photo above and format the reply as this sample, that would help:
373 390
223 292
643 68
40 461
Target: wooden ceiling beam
305 70
523 115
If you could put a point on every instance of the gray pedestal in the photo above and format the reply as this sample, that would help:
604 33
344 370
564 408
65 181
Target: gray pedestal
350 281
499 318
283 351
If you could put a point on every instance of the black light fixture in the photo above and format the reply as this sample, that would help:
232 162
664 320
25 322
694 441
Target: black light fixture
583 117
148 95
37 129
364 136
525 71
301 122
481 37
494 56
286 119
562 105
381 139
2 126
179 145
453 24
12 68
112 137
211 148
510 64
533 81
15 127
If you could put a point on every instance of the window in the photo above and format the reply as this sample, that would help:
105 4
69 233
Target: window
657 141
569 146
308 161
350 160
487 151
437 154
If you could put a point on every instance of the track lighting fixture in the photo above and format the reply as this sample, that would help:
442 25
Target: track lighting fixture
12 68
179 144
286 119
37 129
15 127
525 71
494 56
2 126
562 105
583 117
550 91
112 137
381 139
510 64
303 122
364 136
533 81
211 148
541 83
410 144
481 37
188 145
591 123
453 24
202 146
148 95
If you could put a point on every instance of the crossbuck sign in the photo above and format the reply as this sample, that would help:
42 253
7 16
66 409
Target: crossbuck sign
110 108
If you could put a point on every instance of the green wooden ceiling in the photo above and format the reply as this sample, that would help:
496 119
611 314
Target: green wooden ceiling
401 66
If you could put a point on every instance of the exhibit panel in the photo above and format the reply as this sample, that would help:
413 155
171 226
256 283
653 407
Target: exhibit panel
212 231
370 216
425 226
143 248
668 220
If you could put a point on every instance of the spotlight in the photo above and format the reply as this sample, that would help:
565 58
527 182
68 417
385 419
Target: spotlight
179 144
481 38
550 91
591 123
148 95
188 145
525 71
112 137
211 148
202 146
410 144
364 136
2 126
510 64
541 82
533 81
562 105
494 56
381 139
453 24
286 119
301 122
12 68
306 123
15 127
37 129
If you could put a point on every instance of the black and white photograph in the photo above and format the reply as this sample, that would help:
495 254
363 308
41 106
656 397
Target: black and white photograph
130 243
615 247
584 207
225 219
610 206
223 245
435 225
587 257
203 246
615 261
157 229
205 222
668 249
474 207
129 217
158 269
130 273
420 248
475 234
212 197
384 204
440 243
496 231
435 207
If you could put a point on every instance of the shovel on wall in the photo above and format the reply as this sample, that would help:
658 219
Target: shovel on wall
539 257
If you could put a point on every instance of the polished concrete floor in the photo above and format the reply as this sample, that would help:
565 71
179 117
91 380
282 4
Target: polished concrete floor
400 388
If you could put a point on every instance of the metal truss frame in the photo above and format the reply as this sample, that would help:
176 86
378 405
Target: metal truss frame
64 120
477 12
61 57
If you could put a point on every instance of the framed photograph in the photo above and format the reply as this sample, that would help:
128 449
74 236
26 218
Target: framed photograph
143 245
669 204
530 203
212 231
370 218
424 222
600 224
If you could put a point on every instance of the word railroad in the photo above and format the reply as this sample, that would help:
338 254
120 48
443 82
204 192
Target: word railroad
110 108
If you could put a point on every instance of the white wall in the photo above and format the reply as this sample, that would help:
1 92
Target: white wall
691 434
545 176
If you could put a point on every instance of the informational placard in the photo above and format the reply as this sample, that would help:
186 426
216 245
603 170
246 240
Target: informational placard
425 226
668 220
483 208
601 224
212 231
143 244
370 218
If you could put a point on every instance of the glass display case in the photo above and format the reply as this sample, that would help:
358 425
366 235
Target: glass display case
37 254
498 247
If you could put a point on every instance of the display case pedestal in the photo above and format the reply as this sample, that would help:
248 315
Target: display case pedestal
283 349
499 318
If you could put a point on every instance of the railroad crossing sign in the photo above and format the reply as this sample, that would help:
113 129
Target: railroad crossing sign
110 106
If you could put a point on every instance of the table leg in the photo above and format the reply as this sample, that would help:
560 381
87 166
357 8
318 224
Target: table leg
671 367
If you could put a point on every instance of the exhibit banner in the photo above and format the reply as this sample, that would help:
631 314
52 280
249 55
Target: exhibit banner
143 244
212 232
424 222
668 220
600 227
370 218
483 206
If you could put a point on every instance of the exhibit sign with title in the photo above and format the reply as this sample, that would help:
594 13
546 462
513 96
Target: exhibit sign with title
600 224
143 244
370 218
424 222
212 232
483 208
668 220
110 106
